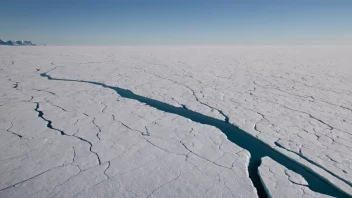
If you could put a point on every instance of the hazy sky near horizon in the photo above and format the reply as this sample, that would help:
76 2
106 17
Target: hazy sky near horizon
177 22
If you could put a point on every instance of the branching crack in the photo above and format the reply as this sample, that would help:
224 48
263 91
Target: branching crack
256 147
49 125
311 161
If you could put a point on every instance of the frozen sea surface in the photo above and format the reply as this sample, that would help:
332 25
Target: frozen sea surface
282 182
174 121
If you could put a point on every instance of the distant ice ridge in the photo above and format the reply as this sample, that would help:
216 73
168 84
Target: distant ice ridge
17 43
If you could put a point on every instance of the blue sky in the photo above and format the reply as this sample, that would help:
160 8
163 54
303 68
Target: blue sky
177 22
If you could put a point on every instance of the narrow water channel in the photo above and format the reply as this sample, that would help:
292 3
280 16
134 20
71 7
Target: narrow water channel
241 138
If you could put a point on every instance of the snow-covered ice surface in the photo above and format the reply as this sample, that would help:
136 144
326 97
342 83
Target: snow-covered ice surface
281 182
160 121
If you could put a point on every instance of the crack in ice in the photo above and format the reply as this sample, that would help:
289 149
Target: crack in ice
256 147
49 125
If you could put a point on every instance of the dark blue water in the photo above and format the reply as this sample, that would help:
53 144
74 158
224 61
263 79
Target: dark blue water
241 138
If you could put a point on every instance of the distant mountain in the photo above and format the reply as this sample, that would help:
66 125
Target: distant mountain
16 43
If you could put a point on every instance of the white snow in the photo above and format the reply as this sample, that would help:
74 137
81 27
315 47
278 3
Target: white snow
295 99
281 182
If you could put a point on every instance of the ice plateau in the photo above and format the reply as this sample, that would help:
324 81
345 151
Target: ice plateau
210 121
